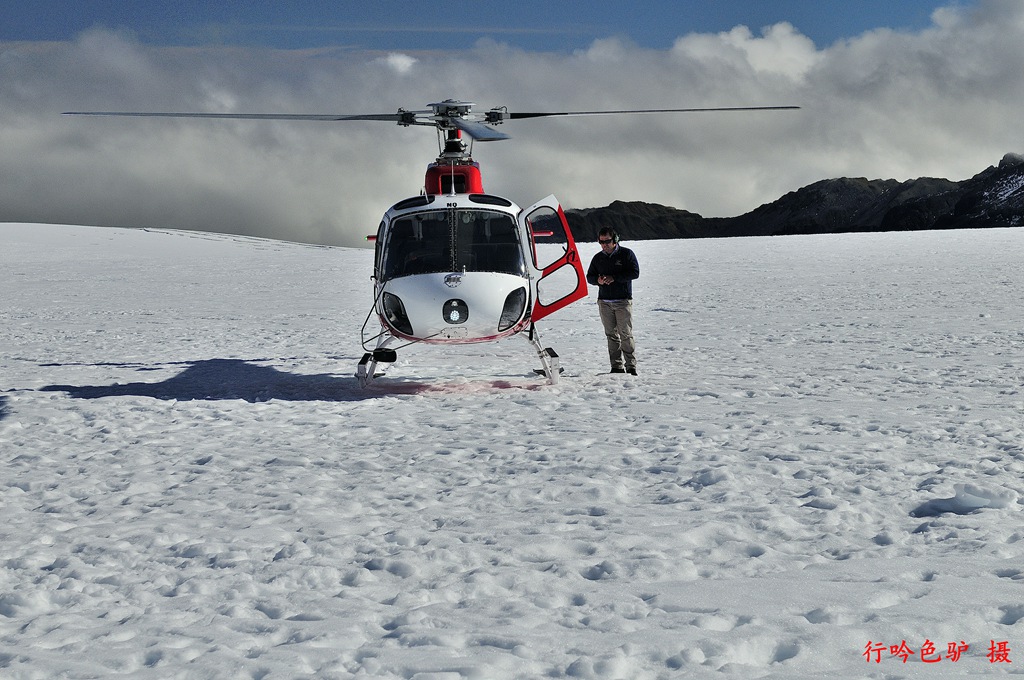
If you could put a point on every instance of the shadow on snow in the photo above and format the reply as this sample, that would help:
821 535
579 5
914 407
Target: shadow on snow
4 410
222 379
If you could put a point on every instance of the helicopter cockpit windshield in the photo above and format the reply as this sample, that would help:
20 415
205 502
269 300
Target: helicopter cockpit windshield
453 240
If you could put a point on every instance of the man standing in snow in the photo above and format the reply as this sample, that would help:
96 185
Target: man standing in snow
612 270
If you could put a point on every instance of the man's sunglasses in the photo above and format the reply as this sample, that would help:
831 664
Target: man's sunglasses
605 241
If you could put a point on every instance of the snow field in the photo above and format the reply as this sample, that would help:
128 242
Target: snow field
822 450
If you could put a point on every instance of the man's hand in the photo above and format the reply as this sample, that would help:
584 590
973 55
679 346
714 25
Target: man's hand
605 280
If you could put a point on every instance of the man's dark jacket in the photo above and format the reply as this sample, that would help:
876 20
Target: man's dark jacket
622 265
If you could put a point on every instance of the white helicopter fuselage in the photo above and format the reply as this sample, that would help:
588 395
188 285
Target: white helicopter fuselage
456 266
454 269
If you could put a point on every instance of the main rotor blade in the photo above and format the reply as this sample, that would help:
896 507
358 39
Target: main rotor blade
478 131
512 116
392 117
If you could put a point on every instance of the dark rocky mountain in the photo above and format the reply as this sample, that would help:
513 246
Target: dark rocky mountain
993 198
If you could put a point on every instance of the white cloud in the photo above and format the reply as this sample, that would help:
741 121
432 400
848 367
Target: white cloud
400 63
608 51
941 102
781 50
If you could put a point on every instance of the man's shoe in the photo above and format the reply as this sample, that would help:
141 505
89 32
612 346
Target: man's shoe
631 370
616 369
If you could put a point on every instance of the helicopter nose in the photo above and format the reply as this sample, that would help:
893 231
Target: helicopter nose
455 311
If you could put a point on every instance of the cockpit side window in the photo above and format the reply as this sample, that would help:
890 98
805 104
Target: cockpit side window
494 243
417 244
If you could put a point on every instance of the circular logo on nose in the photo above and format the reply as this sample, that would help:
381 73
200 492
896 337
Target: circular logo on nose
455 311
453 280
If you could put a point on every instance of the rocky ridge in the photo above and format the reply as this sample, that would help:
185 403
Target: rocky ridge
992 198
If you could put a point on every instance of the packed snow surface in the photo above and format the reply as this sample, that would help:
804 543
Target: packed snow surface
817 472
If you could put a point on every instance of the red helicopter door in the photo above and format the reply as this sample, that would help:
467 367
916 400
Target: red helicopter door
562 279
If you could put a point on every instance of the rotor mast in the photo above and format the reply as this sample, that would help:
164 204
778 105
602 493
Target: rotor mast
454 171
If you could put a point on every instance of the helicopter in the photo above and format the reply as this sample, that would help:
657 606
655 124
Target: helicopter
456 265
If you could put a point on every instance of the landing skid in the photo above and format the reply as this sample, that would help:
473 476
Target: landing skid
366 370
374 364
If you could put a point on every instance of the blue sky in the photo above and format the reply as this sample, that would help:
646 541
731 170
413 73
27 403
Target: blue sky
527 24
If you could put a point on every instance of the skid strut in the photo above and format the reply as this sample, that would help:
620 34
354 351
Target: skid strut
548 358
366 370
